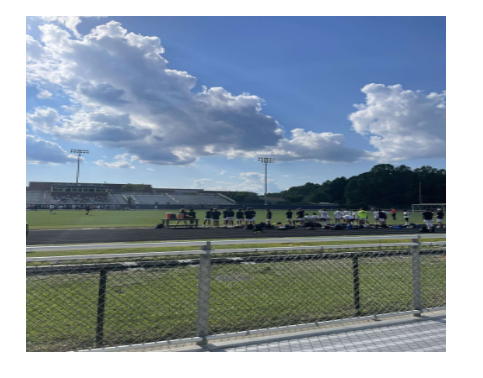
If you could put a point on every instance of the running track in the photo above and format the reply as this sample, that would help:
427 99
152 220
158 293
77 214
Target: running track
119 235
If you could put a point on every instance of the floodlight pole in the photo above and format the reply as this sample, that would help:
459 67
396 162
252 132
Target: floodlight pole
79 152
266 161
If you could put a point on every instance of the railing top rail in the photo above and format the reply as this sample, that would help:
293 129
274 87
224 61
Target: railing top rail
227 242
221 251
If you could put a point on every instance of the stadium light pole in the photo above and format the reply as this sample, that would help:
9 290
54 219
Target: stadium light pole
266 161
79 152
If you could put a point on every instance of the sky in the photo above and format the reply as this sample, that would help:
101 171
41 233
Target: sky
191 102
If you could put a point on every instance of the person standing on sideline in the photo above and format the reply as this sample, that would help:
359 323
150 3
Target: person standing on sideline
439 218
254 216
225 217
51 207
393 213
239 217
376 217
192 215
300 214
88 208
337 216
215 215
406 217
208 218
230 216
362 215
324 216
346 212
355 216
247 216
269 217
428 218
289 215
382 217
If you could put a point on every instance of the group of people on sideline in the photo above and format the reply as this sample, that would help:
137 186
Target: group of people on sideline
230 217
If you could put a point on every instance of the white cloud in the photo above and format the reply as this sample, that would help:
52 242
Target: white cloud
402 124
200 183
308 145
70 22
120 163
41 151
44 120
130 99
117 164
44 94
221 173
124 96
246 181
150 169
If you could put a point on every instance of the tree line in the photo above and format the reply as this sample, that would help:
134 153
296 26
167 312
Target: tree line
384 186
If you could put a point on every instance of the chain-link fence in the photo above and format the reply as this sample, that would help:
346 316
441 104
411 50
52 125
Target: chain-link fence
79 303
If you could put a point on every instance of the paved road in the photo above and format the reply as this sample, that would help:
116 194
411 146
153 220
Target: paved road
118 235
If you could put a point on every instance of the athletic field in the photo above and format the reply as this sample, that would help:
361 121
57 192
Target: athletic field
42 219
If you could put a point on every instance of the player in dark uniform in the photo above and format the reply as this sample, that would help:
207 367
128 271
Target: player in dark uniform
248 215
300 216
225 220
88 208
439 218
239 217
192 215
230 215
289 215
215 215
269 217
208 217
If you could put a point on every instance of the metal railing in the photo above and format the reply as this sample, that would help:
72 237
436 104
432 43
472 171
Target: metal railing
102 302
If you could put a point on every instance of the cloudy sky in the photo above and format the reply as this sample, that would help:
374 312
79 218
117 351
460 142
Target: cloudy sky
192 102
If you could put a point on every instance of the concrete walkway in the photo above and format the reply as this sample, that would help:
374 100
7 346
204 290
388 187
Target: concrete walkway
413 334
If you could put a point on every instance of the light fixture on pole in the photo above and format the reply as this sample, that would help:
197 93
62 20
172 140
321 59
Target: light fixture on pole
79 152
266 161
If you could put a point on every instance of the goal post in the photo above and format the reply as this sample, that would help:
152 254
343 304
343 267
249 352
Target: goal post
420 207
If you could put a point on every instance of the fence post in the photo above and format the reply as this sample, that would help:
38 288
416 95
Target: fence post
416 265
355 278
204 278
101 302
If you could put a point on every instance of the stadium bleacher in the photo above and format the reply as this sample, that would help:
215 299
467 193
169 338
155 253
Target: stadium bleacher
46 198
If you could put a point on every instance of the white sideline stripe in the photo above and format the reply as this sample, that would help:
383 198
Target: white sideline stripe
224 242
219 251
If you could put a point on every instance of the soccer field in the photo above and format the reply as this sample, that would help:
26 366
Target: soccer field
145 218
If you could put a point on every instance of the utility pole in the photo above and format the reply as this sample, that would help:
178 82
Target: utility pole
79 152
266 161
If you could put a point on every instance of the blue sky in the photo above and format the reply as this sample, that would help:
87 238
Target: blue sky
148 121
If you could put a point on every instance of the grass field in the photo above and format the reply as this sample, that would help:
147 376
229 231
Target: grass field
146 305
142 218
